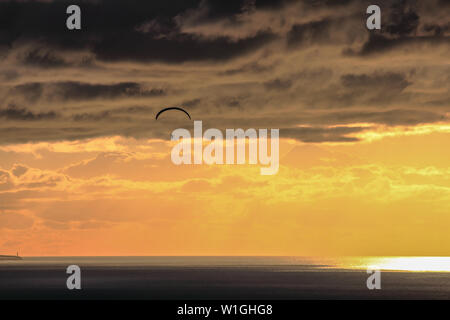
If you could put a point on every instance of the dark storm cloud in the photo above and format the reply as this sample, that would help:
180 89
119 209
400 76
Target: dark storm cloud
436 30
117 35
401 25
193 103
218 9
308 33
209 11
259 64
22 114
150 31
380 89
39 58
71 90
392 81
319 134
87 91
120 115
31 92
180 48
27 19
252 67
375 89
378 43
403 19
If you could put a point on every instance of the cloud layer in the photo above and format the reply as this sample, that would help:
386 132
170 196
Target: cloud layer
303 66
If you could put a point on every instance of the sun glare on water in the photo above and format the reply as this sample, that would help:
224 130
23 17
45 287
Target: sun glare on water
423 264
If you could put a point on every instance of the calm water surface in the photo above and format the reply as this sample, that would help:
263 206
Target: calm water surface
226 278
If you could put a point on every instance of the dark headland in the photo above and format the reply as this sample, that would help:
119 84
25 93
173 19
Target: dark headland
3 257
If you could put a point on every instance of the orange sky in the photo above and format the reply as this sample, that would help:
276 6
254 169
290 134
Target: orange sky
121 196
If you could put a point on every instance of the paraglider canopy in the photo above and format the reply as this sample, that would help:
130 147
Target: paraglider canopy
172 108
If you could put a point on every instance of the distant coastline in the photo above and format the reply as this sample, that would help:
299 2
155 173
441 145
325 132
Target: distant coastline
3 257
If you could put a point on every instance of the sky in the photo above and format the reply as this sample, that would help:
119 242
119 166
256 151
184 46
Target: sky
85 169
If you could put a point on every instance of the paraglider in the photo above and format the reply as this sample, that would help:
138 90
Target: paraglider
172 108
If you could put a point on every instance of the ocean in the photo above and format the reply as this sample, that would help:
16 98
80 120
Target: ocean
247 278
